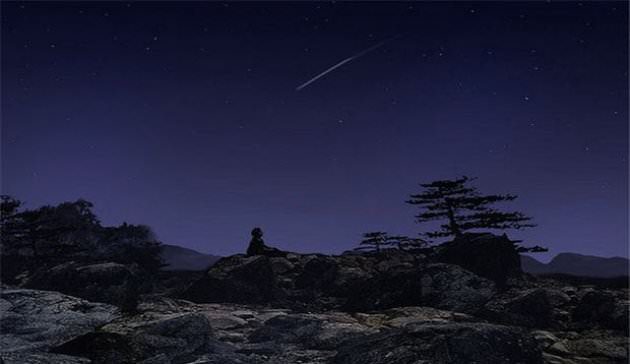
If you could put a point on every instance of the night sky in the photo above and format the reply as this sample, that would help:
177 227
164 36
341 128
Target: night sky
186 117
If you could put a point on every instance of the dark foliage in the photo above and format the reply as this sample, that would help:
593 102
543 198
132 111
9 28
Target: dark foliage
463 208
50 235
373 241
532 249
377 240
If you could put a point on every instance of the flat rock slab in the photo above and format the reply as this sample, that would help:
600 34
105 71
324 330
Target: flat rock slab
32 320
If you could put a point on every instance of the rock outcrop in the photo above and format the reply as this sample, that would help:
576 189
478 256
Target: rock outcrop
32 321
346 282
452 343
171 337
534 308
487 255
393 307
47 327
106 282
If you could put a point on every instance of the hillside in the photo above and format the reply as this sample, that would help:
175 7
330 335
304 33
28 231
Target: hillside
577 265
180 258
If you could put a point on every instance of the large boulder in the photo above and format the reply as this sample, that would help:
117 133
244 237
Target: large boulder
237 279
311 331
602 308
32 321
452 343
349 282
534 308
40 358
487 255
437 285
107 282
173 337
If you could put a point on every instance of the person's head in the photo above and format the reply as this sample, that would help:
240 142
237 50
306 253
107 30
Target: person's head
257 232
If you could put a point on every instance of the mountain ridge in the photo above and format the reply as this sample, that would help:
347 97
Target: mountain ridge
179 258
578 265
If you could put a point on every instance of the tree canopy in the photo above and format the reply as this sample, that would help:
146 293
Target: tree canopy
376 240
462 208
71 230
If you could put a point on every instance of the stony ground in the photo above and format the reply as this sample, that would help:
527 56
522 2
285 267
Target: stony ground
49 327
395 307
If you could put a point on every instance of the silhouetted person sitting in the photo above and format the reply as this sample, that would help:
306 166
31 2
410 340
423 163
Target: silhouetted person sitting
257 246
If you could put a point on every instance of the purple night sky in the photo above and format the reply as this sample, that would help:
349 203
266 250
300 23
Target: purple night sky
185 116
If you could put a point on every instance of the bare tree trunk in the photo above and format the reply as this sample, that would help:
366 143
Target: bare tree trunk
452 222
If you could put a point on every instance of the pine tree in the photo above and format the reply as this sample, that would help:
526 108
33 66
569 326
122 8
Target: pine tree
374 240
406 243
463 208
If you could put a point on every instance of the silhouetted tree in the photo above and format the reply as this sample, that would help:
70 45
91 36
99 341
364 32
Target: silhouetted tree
8 222
463 208
406 243
128 244
373 240
50 231
70 230
531 249
8 207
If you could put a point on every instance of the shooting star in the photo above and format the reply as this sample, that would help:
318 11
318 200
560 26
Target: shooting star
349 59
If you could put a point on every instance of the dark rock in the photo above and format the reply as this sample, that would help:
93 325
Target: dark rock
451 343
32 320
436 285
40 358
100 347
601 350
318 274
487 255
310 331
46 327
350 282
535 308
238 279
109 282
175 337
603 309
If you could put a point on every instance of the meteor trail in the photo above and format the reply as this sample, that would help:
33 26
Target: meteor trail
358 55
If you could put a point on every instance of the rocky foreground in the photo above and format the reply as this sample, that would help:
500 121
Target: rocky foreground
391 308
48 327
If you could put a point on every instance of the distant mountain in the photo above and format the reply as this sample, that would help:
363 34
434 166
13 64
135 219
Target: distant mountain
577 265
180 258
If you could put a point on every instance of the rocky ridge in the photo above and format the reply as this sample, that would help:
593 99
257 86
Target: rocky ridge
394 307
